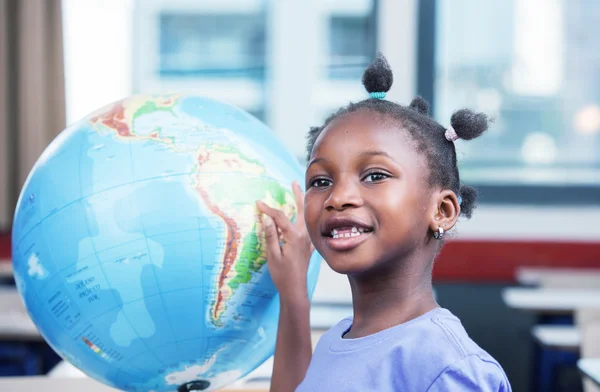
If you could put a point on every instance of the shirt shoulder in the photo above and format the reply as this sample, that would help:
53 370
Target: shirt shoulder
472 373
462 364
435 345
447 337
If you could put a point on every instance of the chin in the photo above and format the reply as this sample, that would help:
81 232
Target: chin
350 263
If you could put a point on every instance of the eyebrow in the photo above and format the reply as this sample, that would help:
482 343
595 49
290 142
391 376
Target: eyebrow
368 153
316 160
373 153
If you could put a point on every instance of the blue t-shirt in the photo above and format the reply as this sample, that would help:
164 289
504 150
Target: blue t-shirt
430 353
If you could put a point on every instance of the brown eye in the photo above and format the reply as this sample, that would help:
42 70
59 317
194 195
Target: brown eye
375 177
320 183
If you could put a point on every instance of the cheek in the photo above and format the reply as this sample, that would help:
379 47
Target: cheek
390 204
311 213
400 210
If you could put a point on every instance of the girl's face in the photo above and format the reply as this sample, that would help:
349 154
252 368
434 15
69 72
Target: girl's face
367 199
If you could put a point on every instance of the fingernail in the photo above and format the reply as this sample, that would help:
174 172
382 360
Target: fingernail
266 220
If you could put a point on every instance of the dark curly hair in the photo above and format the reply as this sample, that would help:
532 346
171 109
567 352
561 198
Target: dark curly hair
428 134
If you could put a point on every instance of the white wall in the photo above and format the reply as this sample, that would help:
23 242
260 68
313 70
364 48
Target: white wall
98 47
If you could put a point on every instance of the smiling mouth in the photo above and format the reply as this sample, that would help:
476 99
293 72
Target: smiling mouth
348 232
346 238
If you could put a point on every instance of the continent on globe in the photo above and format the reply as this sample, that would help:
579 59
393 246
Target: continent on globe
122 115
244 253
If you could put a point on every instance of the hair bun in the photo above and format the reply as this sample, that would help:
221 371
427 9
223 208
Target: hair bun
420 105
469 196
468 124
378 76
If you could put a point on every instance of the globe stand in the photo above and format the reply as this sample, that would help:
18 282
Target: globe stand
196 385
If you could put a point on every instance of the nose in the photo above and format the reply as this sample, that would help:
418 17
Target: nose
344 193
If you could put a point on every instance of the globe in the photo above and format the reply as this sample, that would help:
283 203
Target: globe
137 248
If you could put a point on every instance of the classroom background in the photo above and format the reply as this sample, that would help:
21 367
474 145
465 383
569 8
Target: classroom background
523 274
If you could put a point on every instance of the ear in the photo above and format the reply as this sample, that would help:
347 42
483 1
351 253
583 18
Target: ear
445 212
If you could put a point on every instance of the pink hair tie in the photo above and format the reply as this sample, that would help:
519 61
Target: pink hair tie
451 134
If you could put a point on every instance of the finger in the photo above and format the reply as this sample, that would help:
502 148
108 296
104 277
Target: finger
299 196
282 221
271 237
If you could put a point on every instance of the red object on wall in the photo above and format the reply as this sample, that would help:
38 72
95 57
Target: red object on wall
487 261
478 261
5 246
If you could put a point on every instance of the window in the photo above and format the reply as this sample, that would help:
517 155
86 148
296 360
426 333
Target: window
351 45
216 48
535 67
206 45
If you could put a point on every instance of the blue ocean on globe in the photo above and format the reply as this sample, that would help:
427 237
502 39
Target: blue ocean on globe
137 247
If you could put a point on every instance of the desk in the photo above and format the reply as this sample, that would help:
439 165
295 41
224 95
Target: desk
557 277
258 380
551 301
590 367
65 370
42 383
559 337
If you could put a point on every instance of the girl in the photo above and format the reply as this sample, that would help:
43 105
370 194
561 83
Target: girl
382 189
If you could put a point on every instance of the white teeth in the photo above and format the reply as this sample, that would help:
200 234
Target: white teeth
354 233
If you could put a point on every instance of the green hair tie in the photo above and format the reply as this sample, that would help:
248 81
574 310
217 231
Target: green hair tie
378 95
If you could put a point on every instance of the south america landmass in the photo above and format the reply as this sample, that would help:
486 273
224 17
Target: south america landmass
227 181
233 200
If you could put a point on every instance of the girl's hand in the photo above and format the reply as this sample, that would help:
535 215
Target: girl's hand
288 247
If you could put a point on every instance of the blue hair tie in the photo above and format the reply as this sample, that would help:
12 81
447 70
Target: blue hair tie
378 95
459 200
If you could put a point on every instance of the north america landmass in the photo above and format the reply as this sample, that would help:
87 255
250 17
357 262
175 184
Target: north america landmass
225 179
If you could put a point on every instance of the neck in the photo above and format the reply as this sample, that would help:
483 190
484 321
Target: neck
390 297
